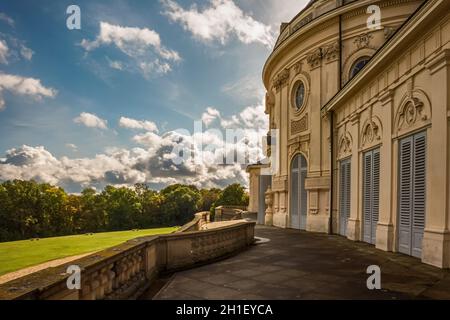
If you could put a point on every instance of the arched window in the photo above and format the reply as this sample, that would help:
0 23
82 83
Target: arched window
358 65
300 95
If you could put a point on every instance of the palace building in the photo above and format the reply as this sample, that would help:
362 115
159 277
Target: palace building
363 118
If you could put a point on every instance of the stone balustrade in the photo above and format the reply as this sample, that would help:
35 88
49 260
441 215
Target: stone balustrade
227 213
127 270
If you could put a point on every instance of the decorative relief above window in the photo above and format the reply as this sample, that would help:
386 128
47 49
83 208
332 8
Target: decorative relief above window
299 126
371 132
410 113
345 146
414 111
363 40
299 147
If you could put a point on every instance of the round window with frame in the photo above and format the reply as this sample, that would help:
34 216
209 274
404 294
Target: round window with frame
299 96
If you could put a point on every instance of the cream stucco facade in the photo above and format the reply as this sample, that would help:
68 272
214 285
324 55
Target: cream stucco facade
363 115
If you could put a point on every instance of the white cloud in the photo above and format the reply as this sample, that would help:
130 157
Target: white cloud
153 162
220 20
210 115
5 18
91 121
4 52
252 117
26 52
72 146
116 65
143 45
21 86
138 124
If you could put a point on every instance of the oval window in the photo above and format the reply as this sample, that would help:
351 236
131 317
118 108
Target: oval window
300 96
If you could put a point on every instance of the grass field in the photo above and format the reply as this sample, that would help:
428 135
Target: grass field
21 254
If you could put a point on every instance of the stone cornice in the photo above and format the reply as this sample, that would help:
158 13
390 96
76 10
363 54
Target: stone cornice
392 48
318 23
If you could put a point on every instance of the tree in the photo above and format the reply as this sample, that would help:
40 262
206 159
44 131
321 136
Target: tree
180 203
233 195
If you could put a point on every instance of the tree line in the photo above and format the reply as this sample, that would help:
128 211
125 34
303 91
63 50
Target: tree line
38 210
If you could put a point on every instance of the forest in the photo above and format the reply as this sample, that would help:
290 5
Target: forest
38 210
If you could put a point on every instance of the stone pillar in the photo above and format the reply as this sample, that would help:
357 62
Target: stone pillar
354 222
436 242
385 228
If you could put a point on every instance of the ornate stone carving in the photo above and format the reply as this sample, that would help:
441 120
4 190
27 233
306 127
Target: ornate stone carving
314 58
298 67
281 79
298 147
371 133
411 112
299 126
331 52
363 40
345 145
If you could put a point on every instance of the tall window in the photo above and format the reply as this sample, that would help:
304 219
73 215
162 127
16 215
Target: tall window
358 65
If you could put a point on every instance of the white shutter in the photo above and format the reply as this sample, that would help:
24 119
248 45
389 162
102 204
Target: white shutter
344 195
375 194
371 194
412 194
368 197
419 184
405 193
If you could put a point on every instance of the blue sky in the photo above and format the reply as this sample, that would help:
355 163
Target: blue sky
79 106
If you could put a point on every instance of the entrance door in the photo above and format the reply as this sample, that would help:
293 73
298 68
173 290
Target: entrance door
264 184
371 195
344 196
412 193
298 193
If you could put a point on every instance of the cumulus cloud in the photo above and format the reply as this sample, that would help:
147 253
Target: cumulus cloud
138 124
3 52
91 121
218 21
143 45
212 158
22 86
252 118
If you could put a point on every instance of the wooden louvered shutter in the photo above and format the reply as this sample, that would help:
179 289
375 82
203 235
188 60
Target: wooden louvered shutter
368 157
375 194
344 197
405 194
419 193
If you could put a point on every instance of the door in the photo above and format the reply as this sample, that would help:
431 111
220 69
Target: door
371 194
264 184
344 195
299 196
412 194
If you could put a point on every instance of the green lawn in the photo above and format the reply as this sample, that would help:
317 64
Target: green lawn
21 254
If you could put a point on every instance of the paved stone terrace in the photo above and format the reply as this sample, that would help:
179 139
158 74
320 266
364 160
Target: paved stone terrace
297 265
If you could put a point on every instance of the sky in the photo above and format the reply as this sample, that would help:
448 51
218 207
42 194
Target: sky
104 104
